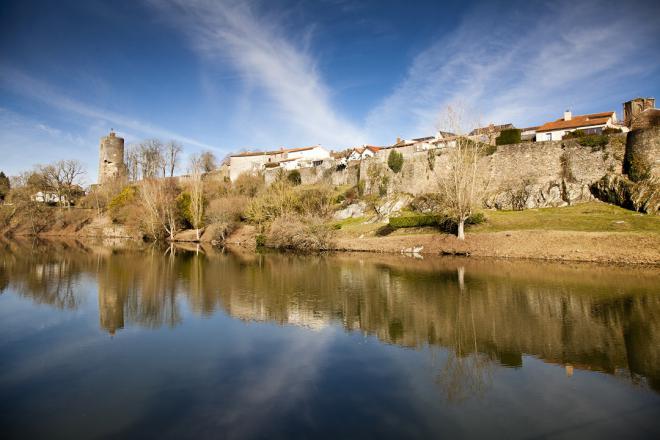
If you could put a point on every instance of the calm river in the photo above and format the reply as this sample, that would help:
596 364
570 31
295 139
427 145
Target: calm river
100 342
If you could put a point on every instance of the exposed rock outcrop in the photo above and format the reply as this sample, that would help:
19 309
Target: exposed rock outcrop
643 196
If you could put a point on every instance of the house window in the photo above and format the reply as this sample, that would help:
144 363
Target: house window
548 136
317 163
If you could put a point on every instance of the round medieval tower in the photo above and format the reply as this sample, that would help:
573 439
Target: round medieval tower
111 158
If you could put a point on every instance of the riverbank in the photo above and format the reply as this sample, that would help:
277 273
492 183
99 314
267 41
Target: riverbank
593 232
589 232
601 247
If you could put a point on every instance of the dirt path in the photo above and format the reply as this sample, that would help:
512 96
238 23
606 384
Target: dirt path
610 247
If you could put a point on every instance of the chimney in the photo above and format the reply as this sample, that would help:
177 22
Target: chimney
567 115
398 139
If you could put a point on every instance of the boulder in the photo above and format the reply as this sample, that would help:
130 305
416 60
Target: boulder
353 210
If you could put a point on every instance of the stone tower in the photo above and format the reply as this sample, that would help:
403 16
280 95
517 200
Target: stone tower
111 158
633 108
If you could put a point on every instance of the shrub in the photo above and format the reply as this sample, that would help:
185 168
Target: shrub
595 141
294 177
415 221
226 209
315 200
395 161
248 184
442 222
350 195
5 186
183 203
126 196
382 186
360 188
509 136
278 200
120 205
260 240
221 231
489 150
300 233
430 159
611 130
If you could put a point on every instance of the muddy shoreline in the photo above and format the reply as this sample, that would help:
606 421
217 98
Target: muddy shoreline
596 247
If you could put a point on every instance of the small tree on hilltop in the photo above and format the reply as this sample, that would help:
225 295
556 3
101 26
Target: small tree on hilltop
460 184
5 186
395 161
294 177
209 161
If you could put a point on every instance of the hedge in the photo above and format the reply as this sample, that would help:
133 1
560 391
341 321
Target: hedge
509 136
440 221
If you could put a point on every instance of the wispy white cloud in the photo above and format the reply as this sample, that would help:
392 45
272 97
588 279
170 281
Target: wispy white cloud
232 33
25 85
523 65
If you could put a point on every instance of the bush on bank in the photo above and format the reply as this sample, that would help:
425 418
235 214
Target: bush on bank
442 222
300 233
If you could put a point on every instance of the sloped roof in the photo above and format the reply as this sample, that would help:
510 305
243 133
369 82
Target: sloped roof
280 151
250 153
577 122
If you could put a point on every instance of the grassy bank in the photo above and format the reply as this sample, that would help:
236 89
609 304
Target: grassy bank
586 217
594 232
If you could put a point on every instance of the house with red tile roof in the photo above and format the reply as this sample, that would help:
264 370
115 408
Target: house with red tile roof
592 123
364 152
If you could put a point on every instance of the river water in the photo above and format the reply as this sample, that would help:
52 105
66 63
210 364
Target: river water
100 341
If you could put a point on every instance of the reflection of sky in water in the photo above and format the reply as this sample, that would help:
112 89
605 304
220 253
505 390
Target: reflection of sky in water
223 374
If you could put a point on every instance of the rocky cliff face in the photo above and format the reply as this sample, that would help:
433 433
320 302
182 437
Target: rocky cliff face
639 187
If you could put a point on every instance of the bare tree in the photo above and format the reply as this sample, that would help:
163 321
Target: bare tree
63 179
172 150
133 162
158 197
71 174
459 182
152 162
209 161
196 194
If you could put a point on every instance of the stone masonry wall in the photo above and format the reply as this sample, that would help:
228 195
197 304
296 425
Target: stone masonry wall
530 174
555 173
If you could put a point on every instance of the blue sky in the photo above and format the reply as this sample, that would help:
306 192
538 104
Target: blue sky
232 75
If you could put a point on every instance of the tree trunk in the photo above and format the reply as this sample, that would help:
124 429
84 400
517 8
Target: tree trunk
461 229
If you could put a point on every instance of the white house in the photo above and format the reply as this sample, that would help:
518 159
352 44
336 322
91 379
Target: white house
593 124
249 162
48 197
291 158
364 152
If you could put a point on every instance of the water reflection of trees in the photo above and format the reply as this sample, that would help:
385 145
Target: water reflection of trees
467 369
585 317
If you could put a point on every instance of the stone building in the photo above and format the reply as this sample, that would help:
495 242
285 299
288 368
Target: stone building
111 158
633 108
